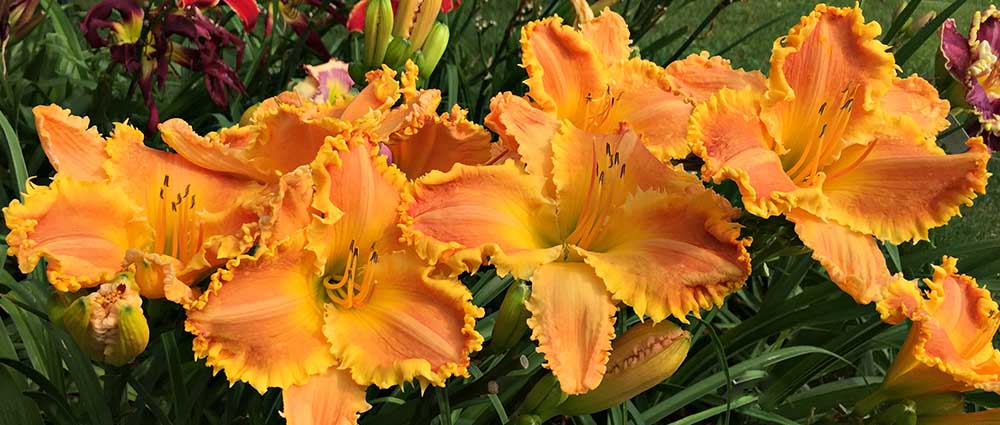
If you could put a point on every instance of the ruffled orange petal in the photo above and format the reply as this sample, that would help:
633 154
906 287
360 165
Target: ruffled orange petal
904 185
853 260
827 51
82 228
461 217
199 215
231 150
428 323
671 253
727 133
572 318
329 398
949 347
162 276
641 96
352 179
826 78
438 142
292 207
261 318
609 36
701 75
73 149
916 98
526 132
380 94
564 70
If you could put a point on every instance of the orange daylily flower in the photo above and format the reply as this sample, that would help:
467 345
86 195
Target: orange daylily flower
315 313
840 146
949 347
618 225
418 138
117 205
586 76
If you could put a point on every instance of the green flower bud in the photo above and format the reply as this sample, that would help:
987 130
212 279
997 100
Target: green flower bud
919 23
108 324
646 355
378 31
426 16
904 413
58 302
433 49
398 52
512 319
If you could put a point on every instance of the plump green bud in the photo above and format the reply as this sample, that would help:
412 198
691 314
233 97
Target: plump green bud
919 23
398 52
543 398
646 355
904 413
378 31
426 16
512 318
108 324
434 46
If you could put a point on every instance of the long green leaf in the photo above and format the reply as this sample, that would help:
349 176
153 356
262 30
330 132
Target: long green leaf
712 383
14 153
908 49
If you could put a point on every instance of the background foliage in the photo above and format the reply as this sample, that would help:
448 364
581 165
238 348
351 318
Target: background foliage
789 348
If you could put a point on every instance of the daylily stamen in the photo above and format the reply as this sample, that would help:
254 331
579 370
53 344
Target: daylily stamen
832 124
855 163
174 218
596 207
348 292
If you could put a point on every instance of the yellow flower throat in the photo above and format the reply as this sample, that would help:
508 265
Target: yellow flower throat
172 215
353 287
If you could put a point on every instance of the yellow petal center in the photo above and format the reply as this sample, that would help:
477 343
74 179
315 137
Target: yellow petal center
821 134
985 69
605 189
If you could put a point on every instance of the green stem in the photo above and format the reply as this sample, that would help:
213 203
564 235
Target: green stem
869 403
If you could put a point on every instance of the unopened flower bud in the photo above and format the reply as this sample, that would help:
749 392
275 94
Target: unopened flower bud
646 355
378 31
424 21
919 23
58 302
904 413
512 319
433 49
108 324
399 51
406 12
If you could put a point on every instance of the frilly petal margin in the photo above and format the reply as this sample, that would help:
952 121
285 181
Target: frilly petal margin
573 320
727 133
949 347
473 213
916 98
701 75
671 253
83 229
73 148
261 318
429 323
329 398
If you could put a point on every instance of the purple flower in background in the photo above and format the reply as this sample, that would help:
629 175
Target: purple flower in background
973 61
185 37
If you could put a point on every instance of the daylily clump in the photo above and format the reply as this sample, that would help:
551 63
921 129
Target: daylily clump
841 146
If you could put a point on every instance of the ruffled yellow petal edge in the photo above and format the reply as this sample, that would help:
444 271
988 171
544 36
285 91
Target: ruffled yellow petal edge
418 369
745 105
235 367
459 258
22 217
984 310
778 86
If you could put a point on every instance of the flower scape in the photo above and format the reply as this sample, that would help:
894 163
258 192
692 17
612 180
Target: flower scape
403 212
